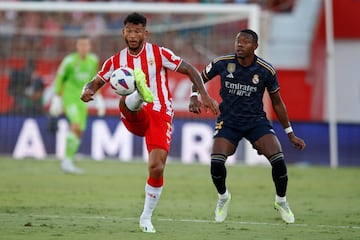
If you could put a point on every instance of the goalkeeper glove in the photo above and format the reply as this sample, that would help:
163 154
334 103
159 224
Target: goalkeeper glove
55 106
100 105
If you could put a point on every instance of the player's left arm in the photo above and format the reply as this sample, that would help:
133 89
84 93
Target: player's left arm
282 115
196 79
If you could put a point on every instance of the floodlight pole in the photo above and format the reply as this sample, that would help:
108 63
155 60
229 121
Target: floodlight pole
331 93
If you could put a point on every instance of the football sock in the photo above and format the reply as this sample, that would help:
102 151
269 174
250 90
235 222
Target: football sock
72 145
133 101
280 199
218 172
224 195
152 196
279 173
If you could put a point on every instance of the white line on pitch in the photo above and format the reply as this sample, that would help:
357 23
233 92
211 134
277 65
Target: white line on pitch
183 220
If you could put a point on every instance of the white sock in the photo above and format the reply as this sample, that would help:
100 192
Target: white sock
225 195
152 196
280 199
133 101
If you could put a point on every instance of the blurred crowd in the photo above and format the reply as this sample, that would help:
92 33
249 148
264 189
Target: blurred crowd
274 5
30 26
30 36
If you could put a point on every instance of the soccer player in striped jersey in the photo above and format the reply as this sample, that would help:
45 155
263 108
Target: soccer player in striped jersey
244 78
148 111
75 70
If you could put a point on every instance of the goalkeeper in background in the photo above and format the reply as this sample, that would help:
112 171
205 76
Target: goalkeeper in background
75 70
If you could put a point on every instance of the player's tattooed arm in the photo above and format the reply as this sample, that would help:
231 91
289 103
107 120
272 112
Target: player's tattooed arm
194 75
90 89
196 79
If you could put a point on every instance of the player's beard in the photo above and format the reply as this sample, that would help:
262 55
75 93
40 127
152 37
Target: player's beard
133 48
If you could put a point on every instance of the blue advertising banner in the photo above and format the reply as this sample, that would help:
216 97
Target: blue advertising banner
26 137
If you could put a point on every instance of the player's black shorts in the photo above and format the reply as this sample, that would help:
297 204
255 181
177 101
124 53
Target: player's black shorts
251 132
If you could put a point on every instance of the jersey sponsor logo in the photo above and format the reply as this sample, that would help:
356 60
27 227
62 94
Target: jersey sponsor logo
82 76
240 89
231 69
255 79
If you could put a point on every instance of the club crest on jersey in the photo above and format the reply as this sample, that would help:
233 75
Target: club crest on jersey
231 69
255 79
151 61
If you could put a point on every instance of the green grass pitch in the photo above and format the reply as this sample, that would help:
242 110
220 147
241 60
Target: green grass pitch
38 201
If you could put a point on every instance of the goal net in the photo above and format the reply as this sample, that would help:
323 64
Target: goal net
43 32
36 36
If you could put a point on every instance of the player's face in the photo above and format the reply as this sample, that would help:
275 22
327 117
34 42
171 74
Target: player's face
244 45
134 35
83 46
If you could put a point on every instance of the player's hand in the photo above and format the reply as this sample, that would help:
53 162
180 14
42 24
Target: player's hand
87 95
210 103
195 105
298 143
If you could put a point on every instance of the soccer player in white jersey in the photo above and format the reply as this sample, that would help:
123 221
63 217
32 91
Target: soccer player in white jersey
148 111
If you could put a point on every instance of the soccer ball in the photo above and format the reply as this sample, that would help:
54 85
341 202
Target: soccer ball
122 81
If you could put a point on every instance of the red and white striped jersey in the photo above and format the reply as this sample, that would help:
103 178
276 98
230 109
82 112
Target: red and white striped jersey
154 61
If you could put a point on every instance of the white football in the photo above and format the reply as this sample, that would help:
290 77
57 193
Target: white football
122 80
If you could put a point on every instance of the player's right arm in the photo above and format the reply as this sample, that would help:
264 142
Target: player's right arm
91 88
198 83
98 80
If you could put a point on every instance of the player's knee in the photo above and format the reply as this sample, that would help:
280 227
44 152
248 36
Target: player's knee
156 163
157 169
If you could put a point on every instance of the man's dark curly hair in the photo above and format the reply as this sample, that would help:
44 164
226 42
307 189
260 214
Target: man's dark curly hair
135 18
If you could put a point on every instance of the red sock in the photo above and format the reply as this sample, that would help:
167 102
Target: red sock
156 182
